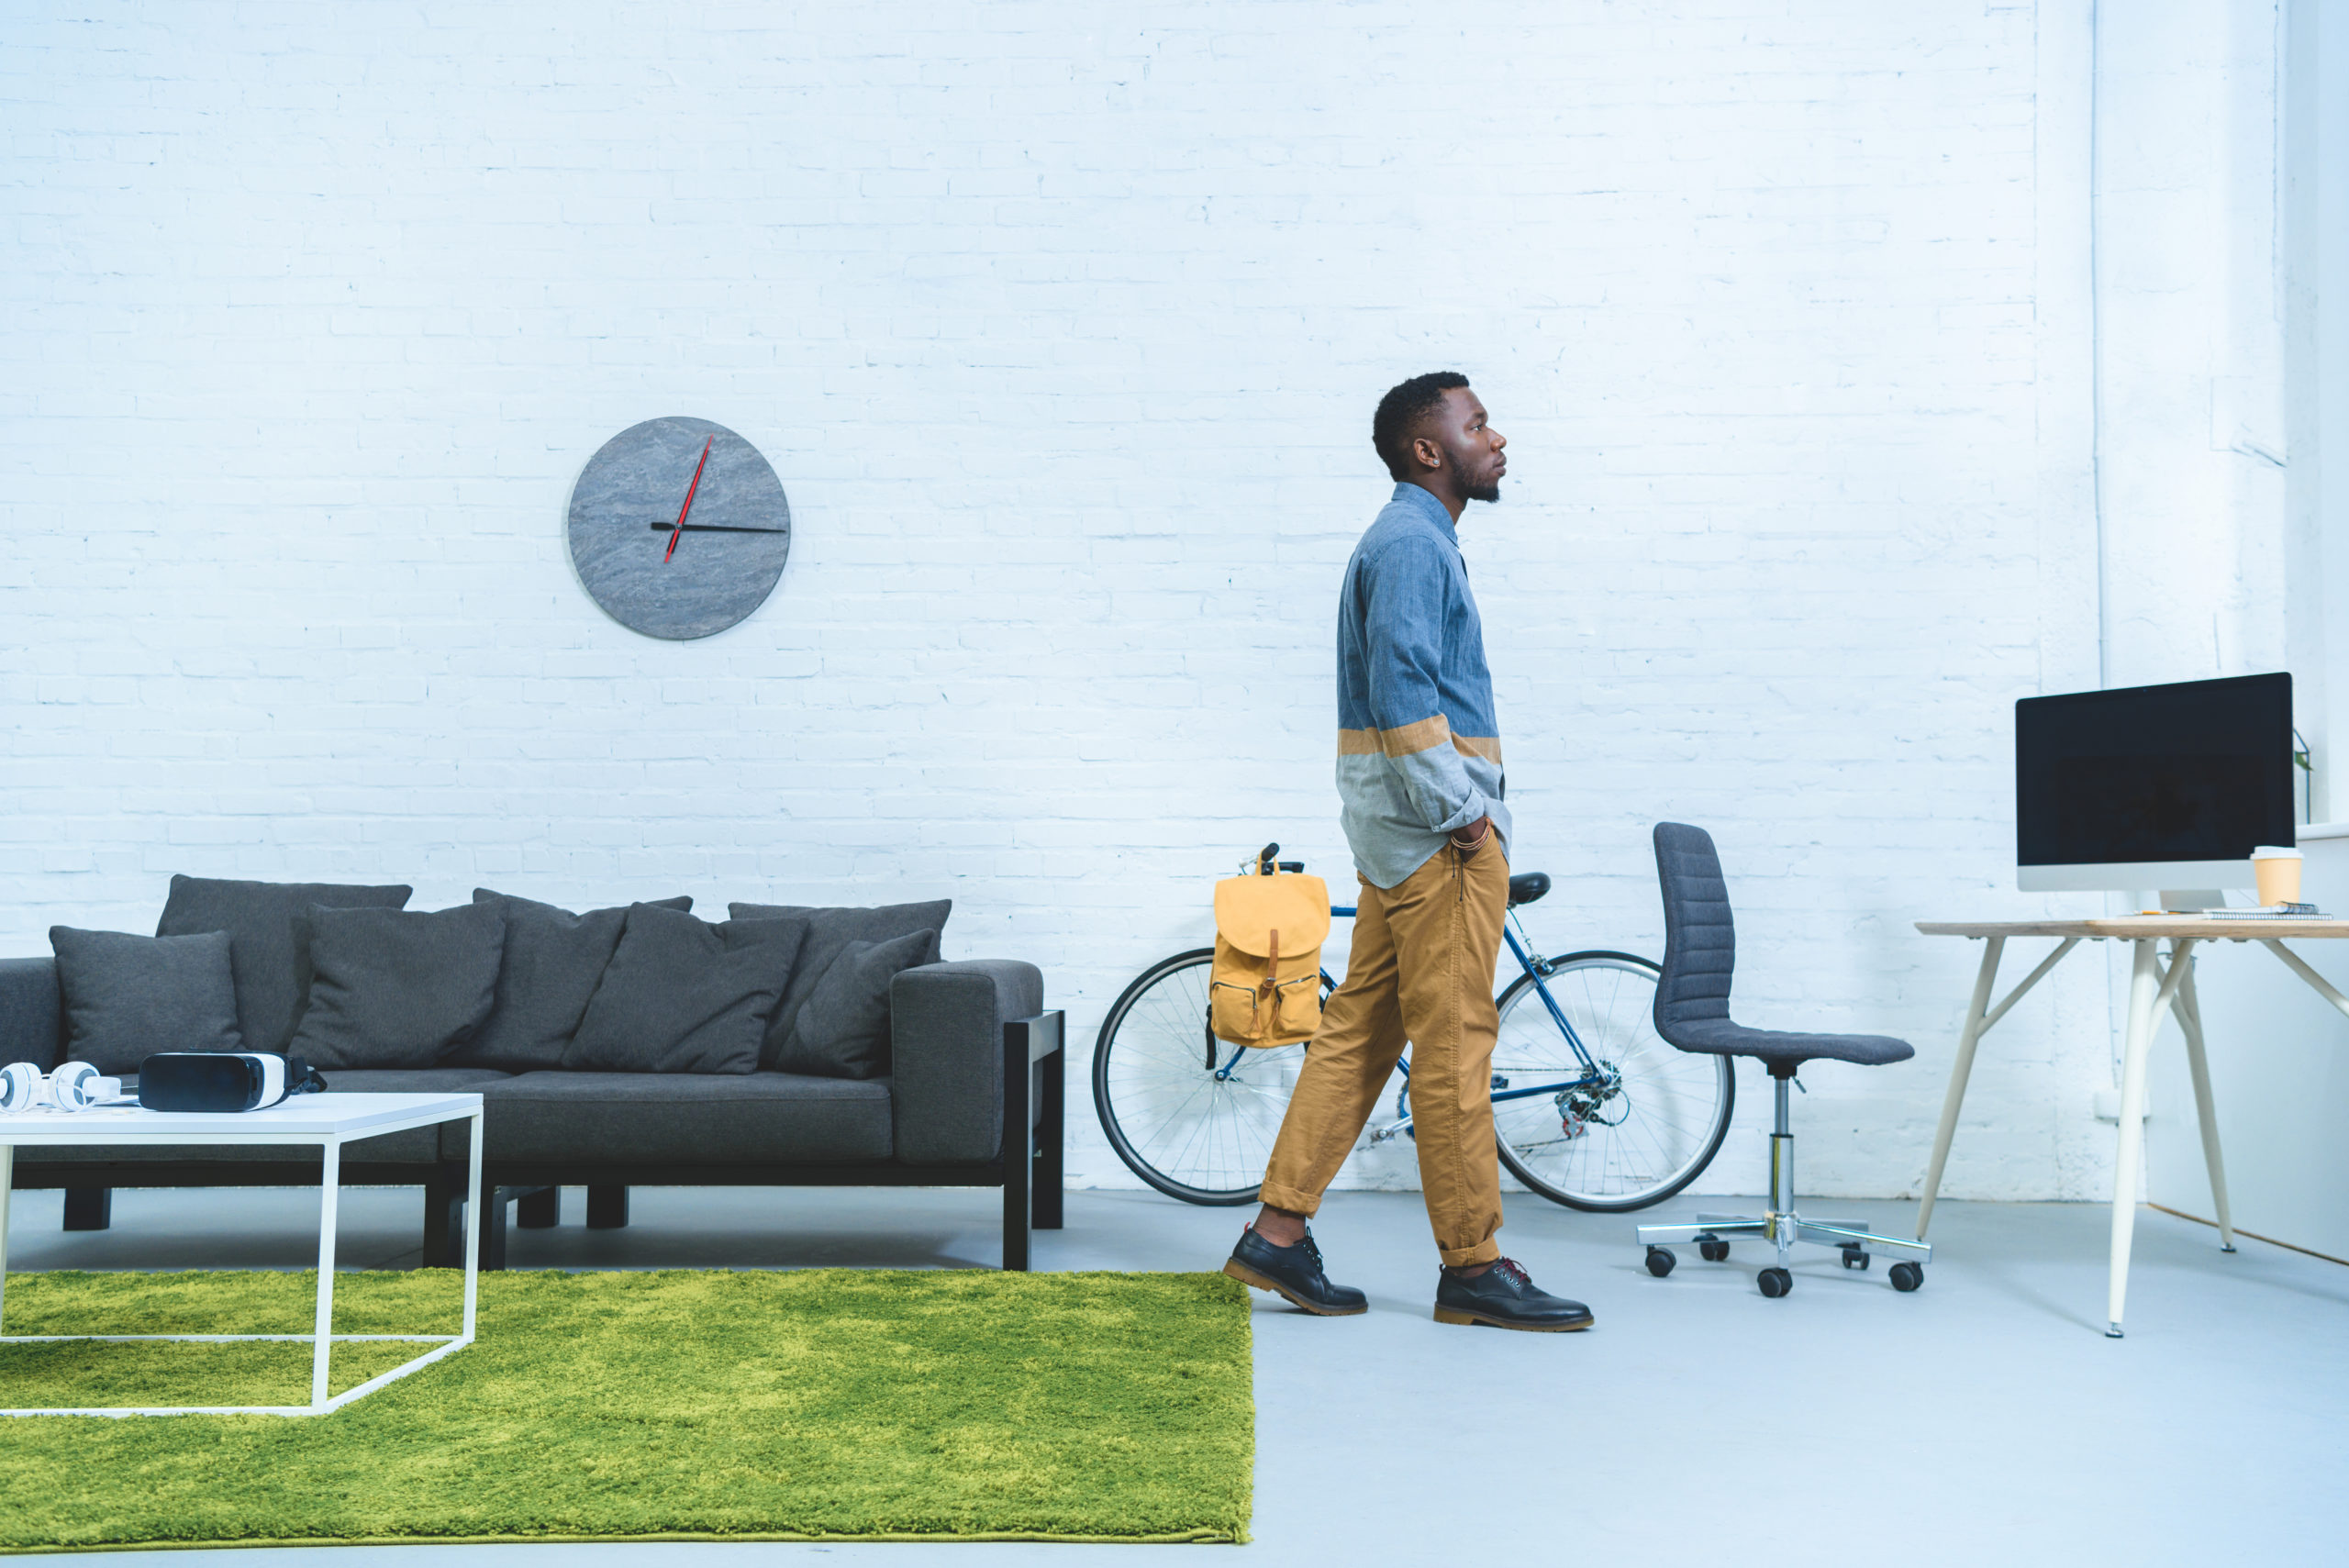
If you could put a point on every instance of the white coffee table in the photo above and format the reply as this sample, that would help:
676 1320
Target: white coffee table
328 1120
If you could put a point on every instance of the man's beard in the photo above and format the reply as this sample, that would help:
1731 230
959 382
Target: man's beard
1489 491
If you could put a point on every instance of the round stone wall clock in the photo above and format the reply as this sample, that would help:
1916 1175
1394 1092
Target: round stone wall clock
679 527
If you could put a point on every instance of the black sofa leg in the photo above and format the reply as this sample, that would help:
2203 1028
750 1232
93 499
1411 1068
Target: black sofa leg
1017 1220
1048 1129
444 1226
1031 1143
89 1209
492 1240
606 1206
539 1208
1018 1168
449 1229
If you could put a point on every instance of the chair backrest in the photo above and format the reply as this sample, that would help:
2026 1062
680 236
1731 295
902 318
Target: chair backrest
1700 940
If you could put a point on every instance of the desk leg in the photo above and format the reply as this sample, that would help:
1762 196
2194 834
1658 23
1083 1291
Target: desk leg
329 1192
2144 980
2190 1023
1967 1038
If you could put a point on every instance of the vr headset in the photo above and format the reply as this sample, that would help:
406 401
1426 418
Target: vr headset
223 1080
213 1081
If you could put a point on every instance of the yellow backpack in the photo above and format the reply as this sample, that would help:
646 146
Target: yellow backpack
1265 987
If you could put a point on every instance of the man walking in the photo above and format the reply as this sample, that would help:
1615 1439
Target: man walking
1420 782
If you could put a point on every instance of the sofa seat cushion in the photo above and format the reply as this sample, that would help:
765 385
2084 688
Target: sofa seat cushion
683 1119
416 1146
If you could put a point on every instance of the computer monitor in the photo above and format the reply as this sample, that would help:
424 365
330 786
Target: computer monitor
2152 787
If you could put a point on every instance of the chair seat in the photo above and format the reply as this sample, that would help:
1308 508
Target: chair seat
1527 886
1719 1037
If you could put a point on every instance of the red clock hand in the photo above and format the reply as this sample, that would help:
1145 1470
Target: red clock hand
678 532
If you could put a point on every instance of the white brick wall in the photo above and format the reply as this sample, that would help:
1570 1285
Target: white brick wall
1062 324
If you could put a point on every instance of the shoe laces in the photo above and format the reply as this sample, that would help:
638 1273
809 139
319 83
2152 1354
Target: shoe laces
1311 1251
1511 1270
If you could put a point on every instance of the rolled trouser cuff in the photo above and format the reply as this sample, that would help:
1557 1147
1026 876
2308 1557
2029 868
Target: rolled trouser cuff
1483 1252
1290 1198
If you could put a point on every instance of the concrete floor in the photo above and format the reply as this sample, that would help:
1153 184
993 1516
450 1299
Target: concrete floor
1983 1416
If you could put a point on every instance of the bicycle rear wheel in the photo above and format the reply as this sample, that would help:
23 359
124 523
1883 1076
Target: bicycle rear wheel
1633 1134
1193 1115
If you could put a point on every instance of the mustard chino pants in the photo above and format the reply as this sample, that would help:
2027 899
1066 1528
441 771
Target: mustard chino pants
1421 970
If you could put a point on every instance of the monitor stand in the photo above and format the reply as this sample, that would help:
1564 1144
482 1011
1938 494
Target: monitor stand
2192 900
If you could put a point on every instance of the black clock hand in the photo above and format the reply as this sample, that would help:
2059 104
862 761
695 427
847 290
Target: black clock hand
712 528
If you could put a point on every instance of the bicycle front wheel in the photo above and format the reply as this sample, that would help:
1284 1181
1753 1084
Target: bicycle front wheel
1192 1115
1631 1129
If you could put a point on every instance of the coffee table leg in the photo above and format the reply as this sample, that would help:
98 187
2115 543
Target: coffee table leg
330 1190
472 1221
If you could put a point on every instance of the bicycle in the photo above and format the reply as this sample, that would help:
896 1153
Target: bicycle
1591 1108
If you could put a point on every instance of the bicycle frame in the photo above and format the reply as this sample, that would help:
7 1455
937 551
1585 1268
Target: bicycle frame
1535 967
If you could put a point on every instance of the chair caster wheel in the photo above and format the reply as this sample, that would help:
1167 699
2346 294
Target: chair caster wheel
1712 1248
1856 1257
1908 1276
1776 1282
1660 1261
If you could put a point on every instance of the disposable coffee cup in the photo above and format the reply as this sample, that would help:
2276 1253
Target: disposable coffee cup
2278 871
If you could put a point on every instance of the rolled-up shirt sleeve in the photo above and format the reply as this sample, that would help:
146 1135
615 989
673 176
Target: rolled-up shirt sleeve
1403 622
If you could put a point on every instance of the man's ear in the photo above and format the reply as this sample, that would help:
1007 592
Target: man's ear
1429 453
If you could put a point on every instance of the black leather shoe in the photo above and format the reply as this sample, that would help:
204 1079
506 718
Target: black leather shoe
1505 1296
1294 1273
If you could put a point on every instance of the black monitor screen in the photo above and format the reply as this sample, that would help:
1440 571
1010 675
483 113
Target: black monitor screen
2200 771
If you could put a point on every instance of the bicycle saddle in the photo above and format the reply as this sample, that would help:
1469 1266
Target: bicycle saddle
1527 886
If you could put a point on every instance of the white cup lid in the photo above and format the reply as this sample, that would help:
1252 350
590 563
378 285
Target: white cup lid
2273 852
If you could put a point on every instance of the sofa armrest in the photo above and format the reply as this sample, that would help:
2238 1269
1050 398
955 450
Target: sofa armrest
946 1036
32 1027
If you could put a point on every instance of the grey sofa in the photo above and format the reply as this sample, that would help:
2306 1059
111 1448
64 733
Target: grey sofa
975 1052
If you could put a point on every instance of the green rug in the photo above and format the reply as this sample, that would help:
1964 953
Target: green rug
826 1404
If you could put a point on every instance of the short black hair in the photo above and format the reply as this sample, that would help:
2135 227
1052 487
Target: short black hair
1396 423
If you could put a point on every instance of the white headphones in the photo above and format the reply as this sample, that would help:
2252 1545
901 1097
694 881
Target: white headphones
74 1086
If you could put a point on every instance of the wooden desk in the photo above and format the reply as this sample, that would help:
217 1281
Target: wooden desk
2153 986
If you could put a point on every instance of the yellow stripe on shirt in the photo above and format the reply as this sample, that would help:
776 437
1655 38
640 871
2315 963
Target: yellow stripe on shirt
1410 739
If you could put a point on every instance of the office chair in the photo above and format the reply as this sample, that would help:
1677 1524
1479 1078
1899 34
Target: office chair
1692 1014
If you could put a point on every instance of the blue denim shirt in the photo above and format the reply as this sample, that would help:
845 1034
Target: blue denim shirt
1419 746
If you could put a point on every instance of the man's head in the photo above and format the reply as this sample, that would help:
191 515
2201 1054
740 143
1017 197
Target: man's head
1432 432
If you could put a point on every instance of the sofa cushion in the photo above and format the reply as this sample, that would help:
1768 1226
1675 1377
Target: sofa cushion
127 997
829 931
271 967
414 1146
554 960
683 995
396 988
681 1119
843 1030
